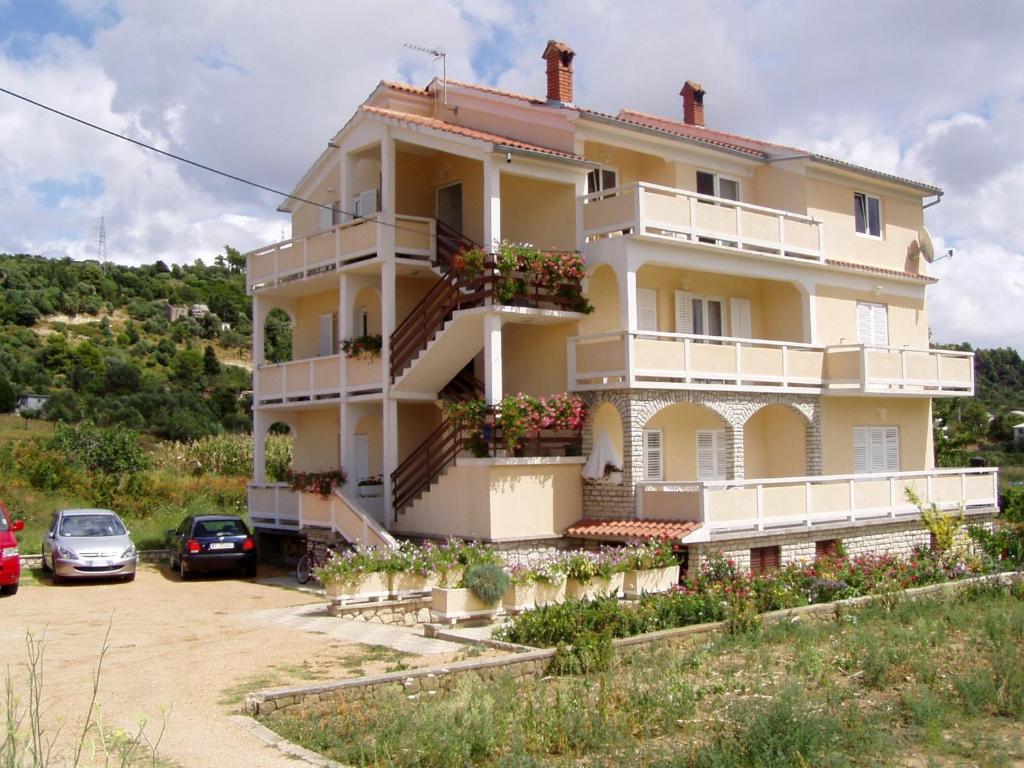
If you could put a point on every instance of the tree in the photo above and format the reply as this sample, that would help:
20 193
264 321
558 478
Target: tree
211 365
188 367
8 395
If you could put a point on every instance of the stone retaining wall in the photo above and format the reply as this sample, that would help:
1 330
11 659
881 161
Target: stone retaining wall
406 613
531 665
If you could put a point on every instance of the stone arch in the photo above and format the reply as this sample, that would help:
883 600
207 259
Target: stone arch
277 327
607 416
679 423
263 422
367 298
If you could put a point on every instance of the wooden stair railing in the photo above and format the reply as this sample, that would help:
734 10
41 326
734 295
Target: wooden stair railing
424 465
449 242
463 387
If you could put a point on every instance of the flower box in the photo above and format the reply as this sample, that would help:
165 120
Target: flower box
523 597
596 587
635 583
359 588
405 583
452 605
370 491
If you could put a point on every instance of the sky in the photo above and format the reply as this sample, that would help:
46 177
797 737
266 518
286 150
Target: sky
931 90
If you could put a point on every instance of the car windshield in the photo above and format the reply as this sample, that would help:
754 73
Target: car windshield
78 526
220 528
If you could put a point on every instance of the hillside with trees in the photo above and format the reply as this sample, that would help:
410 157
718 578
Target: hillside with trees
99 341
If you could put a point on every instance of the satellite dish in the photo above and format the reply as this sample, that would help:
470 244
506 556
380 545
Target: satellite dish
927 249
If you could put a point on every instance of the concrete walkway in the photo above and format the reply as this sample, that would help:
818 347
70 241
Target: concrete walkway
314 618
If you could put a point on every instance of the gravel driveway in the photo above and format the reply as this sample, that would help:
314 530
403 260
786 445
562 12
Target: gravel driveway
189 651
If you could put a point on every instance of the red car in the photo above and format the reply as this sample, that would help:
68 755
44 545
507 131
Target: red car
10 562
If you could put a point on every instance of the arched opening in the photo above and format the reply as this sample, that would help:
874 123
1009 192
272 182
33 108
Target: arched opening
685 441
775 443
606 418
366 313
603 292
278 444
277 337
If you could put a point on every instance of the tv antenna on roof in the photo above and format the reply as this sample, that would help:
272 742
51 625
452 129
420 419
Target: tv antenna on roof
437 54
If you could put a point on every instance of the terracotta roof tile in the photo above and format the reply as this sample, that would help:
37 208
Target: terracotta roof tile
441 125
880 270
719 138
627 530
496 91
396 86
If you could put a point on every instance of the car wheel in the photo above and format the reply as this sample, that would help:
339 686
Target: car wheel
183 569
42 553
129 577
9 589
250 571
57 579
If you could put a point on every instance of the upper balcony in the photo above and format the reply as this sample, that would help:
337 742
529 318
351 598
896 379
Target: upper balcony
316 379
689 361
304 257
674 214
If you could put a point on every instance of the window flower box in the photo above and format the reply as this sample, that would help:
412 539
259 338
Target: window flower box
370 491
452 605
596 587
533 594
359 588
635 583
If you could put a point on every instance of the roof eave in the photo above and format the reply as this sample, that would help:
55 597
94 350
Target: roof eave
920 186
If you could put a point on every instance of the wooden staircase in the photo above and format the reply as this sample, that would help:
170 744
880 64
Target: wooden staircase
464 386
425 465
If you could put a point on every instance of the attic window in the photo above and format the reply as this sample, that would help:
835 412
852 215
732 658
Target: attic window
867 213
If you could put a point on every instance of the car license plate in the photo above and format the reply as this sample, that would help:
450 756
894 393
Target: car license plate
222 545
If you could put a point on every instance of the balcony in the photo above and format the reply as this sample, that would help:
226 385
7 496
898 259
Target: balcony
316 378
899 371
778 504
674 214
659 360
303 257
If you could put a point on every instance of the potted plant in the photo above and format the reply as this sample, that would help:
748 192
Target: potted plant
370 487
366 347
483 586
533 587
321 483
592 575
412 571
356 576
650 567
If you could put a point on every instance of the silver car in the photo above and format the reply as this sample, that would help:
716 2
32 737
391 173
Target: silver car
88 544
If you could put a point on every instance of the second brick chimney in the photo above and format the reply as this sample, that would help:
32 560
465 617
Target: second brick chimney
693 103
559 58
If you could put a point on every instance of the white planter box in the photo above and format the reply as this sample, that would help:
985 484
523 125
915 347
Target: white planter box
370 491
412 583
451 605
635 583
523 597
359 589
596 587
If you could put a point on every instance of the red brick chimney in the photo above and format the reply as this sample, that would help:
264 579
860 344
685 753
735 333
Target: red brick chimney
559 58
693 103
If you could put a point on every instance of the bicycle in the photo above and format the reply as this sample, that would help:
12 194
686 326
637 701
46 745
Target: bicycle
317 554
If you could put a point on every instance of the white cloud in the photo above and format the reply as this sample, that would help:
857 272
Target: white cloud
930 90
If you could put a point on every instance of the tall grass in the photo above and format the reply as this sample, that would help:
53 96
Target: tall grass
224 455
940 677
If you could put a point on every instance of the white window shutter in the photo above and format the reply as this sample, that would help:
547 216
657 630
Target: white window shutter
710 454
326 215
864 335
892 449
720 454
739 310
876 449
880 323
684 312
326 335
647 309
654 466
860 450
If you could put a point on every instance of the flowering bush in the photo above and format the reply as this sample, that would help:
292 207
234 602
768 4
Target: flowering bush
322 483
362 346
656 553
550 572
522 415
350 565
584 566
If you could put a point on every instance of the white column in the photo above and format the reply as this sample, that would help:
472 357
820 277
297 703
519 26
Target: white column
492 202
388 317
390 452
581 191
259 319
807 300
261 422
344 184
627 299
386 231
344 331
492 359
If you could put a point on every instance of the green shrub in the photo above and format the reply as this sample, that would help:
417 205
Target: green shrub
590 652
487 581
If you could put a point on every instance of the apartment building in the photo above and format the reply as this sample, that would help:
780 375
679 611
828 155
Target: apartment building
750 334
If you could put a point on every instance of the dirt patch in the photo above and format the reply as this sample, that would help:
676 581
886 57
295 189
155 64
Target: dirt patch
187 651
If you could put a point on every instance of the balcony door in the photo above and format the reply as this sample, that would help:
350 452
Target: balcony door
362 457
328 334
700 315
449 206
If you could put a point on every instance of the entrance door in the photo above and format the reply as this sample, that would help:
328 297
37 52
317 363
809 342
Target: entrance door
328 335
362 457
449 205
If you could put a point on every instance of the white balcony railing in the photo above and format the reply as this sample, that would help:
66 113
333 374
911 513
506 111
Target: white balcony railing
728 506
310 379
303 257
900 370
676 214
273 505
688 361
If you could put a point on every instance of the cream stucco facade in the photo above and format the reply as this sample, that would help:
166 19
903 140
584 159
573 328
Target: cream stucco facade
760 318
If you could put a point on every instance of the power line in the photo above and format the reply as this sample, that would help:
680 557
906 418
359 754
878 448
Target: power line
193 163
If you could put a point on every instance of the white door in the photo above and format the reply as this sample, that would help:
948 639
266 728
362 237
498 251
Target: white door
327 335
362 457
449 206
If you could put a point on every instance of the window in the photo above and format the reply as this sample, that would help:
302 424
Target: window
876 449
711 454
867 214
647 309
362 321
873 324
739 318
701 315
601 180
365 204
826 548
717 186
764 559
654 467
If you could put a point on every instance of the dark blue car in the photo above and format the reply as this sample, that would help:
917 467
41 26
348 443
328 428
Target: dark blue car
212 543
